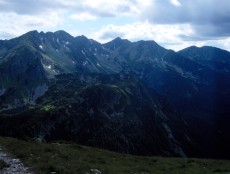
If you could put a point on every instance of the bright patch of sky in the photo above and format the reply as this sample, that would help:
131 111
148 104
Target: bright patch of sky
175 2
174 24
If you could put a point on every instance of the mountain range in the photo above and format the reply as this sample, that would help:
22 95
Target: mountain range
129 97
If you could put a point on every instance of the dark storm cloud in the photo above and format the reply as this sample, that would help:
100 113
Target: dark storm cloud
210 19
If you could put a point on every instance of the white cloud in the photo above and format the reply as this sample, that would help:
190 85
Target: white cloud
18 17
175 2
224 43
166 35
105 8
13 25
83 17
210 19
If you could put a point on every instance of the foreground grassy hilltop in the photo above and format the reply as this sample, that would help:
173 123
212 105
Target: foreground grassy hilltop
67 158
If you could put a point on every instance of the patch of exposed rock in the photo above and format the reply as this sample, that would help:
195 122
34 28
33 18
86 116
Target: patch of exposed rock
15 165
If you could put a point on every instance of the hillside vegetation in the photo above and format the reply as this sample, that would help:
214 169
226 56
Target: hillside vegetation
68 158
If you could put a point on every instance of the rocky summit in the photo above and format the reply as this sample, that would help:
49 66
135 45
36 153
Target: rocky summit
129 97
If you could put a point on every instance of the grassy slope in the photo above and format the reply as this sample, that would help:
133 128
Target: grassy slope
72 158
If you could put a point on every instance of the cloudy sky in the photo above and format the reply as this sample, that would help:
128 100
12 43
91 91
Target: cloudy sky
174 24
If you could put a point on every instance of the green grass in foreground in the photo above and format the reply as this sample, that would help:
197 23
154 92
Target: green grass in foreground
75 159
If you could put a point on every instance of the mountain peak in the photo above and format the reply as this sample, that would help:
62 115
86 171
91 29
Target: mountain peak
148 42
31 33
117 39
209 56
115 43
199 49
62 32
63 35
82 38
